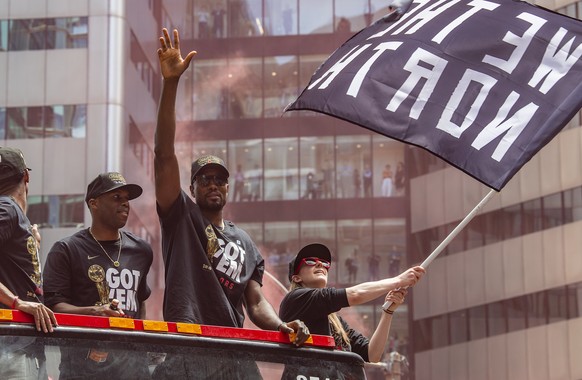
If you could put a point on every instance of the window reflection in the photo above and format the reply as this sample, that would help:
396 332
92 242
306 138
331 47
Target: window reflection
244 163
353 240
315 16
389 171
389 245
352 152
210 94
46 121
317 159
280 17
56 211
245 76
352 14
280 84
50 33
245 18
281 173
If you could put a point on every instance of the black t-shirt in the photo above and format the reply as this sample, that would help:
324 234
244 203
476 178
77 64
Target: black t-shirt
313 305
207 269
19 257
76 269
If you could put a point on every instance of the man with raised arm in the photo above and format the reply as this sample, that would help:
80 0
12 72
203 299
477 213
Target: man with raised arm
213 267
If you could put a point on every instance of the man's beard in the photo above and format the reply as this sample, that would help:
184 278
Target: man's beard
208 206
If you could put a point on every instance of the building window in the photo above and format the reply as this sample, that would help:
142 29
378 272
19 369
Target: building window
44 122
477 322
281 169
146 71
57 211
246 174
50 33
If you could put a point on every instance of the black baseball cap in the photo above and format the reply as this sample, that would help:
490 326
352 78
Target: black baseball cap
11 163
107 182
311 250
205 161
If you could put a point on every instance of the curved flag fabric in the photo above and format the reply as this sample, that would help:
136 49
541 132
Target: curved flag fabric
482 84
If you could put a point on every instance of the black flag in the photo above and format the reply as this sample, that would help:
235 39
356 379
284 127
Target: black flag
482 84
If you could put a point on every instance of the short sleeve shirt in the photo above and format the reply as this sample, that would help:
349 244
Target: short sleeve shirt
19 255
78 272
207 269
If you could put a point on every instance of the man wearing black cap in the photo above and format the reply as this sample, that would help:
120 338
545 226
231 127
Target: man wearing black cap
20 277
212 266
101 271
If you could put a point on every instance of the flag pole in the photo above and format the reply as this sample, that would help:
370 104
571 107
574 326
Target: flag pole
457 229
454 233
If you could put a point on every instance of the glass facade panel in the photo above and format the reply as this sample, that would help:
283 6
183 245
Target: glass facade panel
389 171
353 239
573 205
351 15
245 18
46 122
389 247
317 159
537 306
244 164
352 152
496 318
50 33
245 76
459 327
4 25
210 92
553 211
282 169
281 75
440 331
477 322
57 211
516 314
315 17
558 304
280 17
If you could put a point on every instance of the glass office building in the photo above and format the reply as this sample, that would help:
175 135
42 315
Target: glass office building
79 87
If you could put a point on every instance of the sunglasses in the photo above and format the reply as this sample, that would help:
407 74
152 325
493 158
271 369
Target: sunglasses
204 180
312 261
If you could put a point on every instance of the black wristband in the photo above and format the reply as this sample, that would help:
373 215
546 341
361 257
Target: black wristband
388 311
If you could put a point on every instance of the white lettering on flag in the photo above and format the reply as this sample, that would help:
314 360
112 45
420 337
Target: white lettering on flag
521 44
556 62
418 74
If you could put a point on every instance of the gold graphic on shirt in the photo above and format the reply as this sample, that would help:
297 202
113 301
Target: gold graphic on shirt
97 275
32 249
212 246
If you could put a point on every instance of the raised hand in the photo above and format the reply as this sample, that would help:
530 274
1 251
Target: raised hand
172 64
